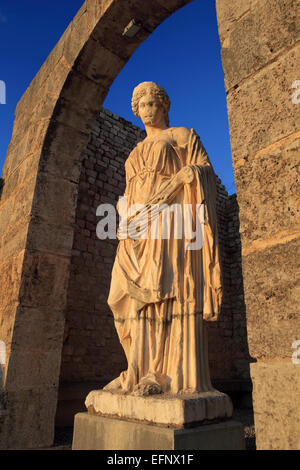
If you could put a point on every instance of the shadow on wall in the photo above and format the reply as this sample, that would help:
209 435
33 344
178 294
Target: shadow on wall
231 371
2 363
1 377
1 186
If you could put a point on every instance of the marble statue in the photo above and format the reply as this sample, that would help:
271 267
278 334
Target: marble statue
162 293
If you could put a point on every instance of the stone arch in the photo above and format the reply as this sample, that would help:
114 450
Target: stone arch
38 202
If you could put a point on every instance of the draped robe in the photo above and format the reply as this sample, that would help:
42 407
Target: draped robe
161 292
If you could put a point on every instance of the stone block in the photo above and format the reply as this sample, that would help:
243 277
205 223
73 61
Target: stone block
76 114
94 11
57 78
11 271
268 195
39 330
30 369
6 209
272 299
29 414
75 37
22 201
99 64
252 43
14 240
229 13
44 280
109 31
15 154
44 108
62 152
55 199
85 93
275 394
98 433
51 238
28 168
261 111
10 184
177 410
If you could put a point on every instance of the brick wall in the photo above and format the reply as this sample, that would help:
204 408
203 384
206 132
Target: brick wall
91 349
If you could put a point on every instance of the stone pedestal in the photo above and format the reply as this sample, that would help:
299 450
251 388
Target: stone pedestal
117 421
97 433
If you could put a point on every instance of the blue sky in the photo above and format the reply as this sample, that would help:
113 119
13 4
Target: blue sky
182 55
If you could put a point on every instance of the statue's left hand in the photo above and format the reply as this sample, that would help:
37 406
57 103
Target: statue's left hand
185 175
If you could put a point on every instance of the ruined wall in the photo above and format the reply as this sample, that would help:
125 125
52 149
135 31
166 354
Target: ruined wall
91 351
261 61
91 348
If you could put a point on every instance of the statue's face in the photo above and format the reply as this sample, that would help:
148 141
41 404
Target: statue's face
151 111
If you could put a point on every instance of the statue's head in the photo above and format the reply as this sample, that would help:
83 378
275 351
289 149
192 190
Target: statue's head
157 92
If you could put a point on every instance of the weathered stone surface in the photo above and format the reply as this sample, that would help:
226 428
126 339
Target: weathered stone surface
261 111
45 279
66 112
22 201
276 388
248 50
229 13
98 433
110 32
29 142
17 431
75 36
30 369
55 199
177 410
14 240
272 298
39 329
99 64
268 195
50 238
94 10
6 208
11 271
62 151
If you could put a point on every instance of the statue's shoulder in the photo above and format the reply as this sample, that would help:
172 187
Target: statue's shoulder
181 135
130 160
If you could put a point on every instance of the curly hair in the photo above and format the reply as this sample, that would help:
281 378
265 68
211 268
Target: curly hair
156 91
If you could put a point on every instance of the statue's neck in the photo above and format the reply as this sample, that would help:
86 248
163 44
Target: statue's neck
154 131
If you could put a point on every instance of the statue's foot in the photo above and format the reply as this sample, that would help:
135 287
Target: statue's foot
113 386
144 389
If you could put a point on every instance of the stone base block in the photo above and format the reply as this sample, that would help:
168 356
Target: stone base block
97 433
177 411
